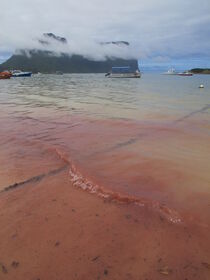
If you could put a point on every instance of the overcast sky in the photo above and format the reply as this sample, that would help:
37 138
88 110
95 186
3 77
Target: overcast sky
157 29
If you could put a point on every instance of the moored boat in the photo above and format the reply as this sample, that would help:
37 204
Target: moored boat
5 75
19 73
123 72
173 72
186 73
170 72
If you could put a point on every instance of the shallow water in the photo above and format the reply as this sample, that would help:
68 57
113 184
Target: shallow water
144 141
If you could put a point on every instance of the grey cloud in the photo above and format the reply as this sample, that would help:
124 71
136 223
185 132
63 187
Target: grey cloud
159 28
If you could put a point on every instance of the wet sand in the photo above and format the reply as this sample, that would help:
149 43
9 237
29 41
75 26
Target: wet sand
50 230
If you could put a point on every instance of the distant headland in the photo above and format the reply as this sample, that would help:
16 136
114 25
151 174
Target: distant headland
200 70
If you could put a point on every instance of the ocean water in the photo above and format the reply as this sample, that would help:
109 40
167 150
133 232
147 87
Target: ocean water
142 141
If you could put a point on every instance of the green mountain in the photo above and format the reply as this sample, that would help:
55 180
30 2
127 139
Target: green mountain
48 62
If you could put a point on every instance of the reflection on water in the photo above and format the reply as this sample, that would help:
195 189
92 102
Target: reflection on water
146 138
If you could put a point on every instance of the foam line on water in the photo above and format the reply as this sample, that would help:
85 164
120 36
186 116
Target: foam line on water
79 181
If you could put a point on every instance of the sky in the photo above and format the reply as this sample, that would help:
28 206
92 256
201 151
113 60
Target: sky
160 32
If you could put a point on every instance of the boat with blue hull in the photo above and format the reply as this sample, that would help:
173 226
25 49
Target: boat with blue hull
19 73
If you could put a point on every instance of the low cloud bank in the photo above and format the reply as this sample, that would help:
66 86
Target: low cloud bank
93 50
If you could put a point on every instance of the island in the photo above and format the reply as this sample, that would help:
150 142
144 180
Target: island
46 61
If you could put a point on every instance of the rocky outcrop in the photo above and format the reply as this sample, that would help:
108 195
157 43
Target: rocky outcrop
47 37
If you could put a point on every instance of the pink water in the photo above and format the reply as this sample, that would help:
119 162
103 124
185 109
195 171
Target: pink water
141 143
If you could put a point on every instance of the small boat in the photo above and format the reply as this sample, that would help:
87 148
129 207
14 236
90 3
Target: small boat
173 72
19 73
170 72
5 75
186 73
123 72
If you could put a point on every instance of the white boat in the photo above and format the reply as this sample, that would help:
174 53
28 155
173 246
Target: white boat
123 72
19 73
173 72
170 72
